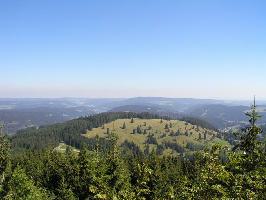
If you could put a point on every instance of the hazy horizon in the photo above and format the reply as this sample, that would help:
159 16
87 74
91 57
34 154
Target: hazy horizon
133 97
107 49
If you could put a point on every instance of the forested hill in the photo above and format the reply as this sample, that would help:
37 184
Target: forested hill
71 132
215 173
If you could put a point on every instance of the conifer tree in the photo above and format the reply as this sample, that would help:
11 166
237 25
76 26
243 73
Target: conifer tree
186 133
171 125
139 130
124 125
200 136
4 160
21 186
248 140
118 172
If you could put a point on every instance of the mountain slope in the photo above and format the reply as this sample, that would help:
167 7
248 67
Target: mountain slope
163 136
222 116
71 132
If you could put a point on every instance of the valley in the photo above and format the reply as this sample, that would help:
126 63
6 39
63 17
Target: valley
18 114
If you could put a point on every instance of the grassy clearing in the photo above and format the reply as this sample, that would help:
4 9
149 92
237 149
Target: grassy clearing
164 131
62 147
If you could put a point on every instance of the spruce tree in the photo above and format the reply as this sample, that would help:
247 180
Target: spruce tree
205 135
139 130
4 160
21 186
248 140
171 125
124 126
200 136
118 172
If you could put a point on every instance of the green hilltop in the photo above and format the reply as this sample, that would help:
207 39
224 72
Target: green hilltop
164 136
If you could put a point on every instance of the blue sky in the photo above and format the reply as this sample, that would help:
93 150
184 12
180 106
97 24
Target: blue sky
172 48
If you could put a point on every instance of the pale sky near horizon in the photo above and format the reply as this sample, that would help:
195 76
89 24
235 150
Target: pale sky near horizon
116 48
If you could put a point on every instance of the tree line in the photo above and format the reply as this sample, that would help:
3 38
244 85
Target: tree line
116 173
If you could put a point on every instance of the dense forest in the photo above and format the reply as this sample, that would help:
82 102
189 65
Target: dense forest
30 168
69 132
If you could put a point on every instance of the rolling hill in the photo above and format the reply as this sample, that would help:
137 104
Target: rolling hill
149 132
163 136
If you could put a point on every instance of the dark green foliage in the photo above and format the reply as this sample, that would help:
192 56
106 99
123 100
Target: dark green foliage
205 135
4 153
199 122
186 133
159 150
178 148
124 125
20 186
194 146
200 137
131 148
69 132
177 133
151 139
139 131
102 170
248 139
145 131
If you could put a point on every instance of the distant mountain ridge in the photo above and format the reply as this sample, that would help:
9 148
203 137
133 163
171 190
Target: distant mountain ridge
21 113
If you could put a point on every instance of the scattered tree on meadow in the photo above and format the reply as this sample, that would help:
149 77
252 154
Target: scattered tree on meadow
124 125
205 135
171 125
186 133
145 131
139 131
200 136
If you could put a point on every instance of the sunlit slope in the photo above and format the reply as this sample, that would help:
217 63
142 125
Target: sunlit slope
139 131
